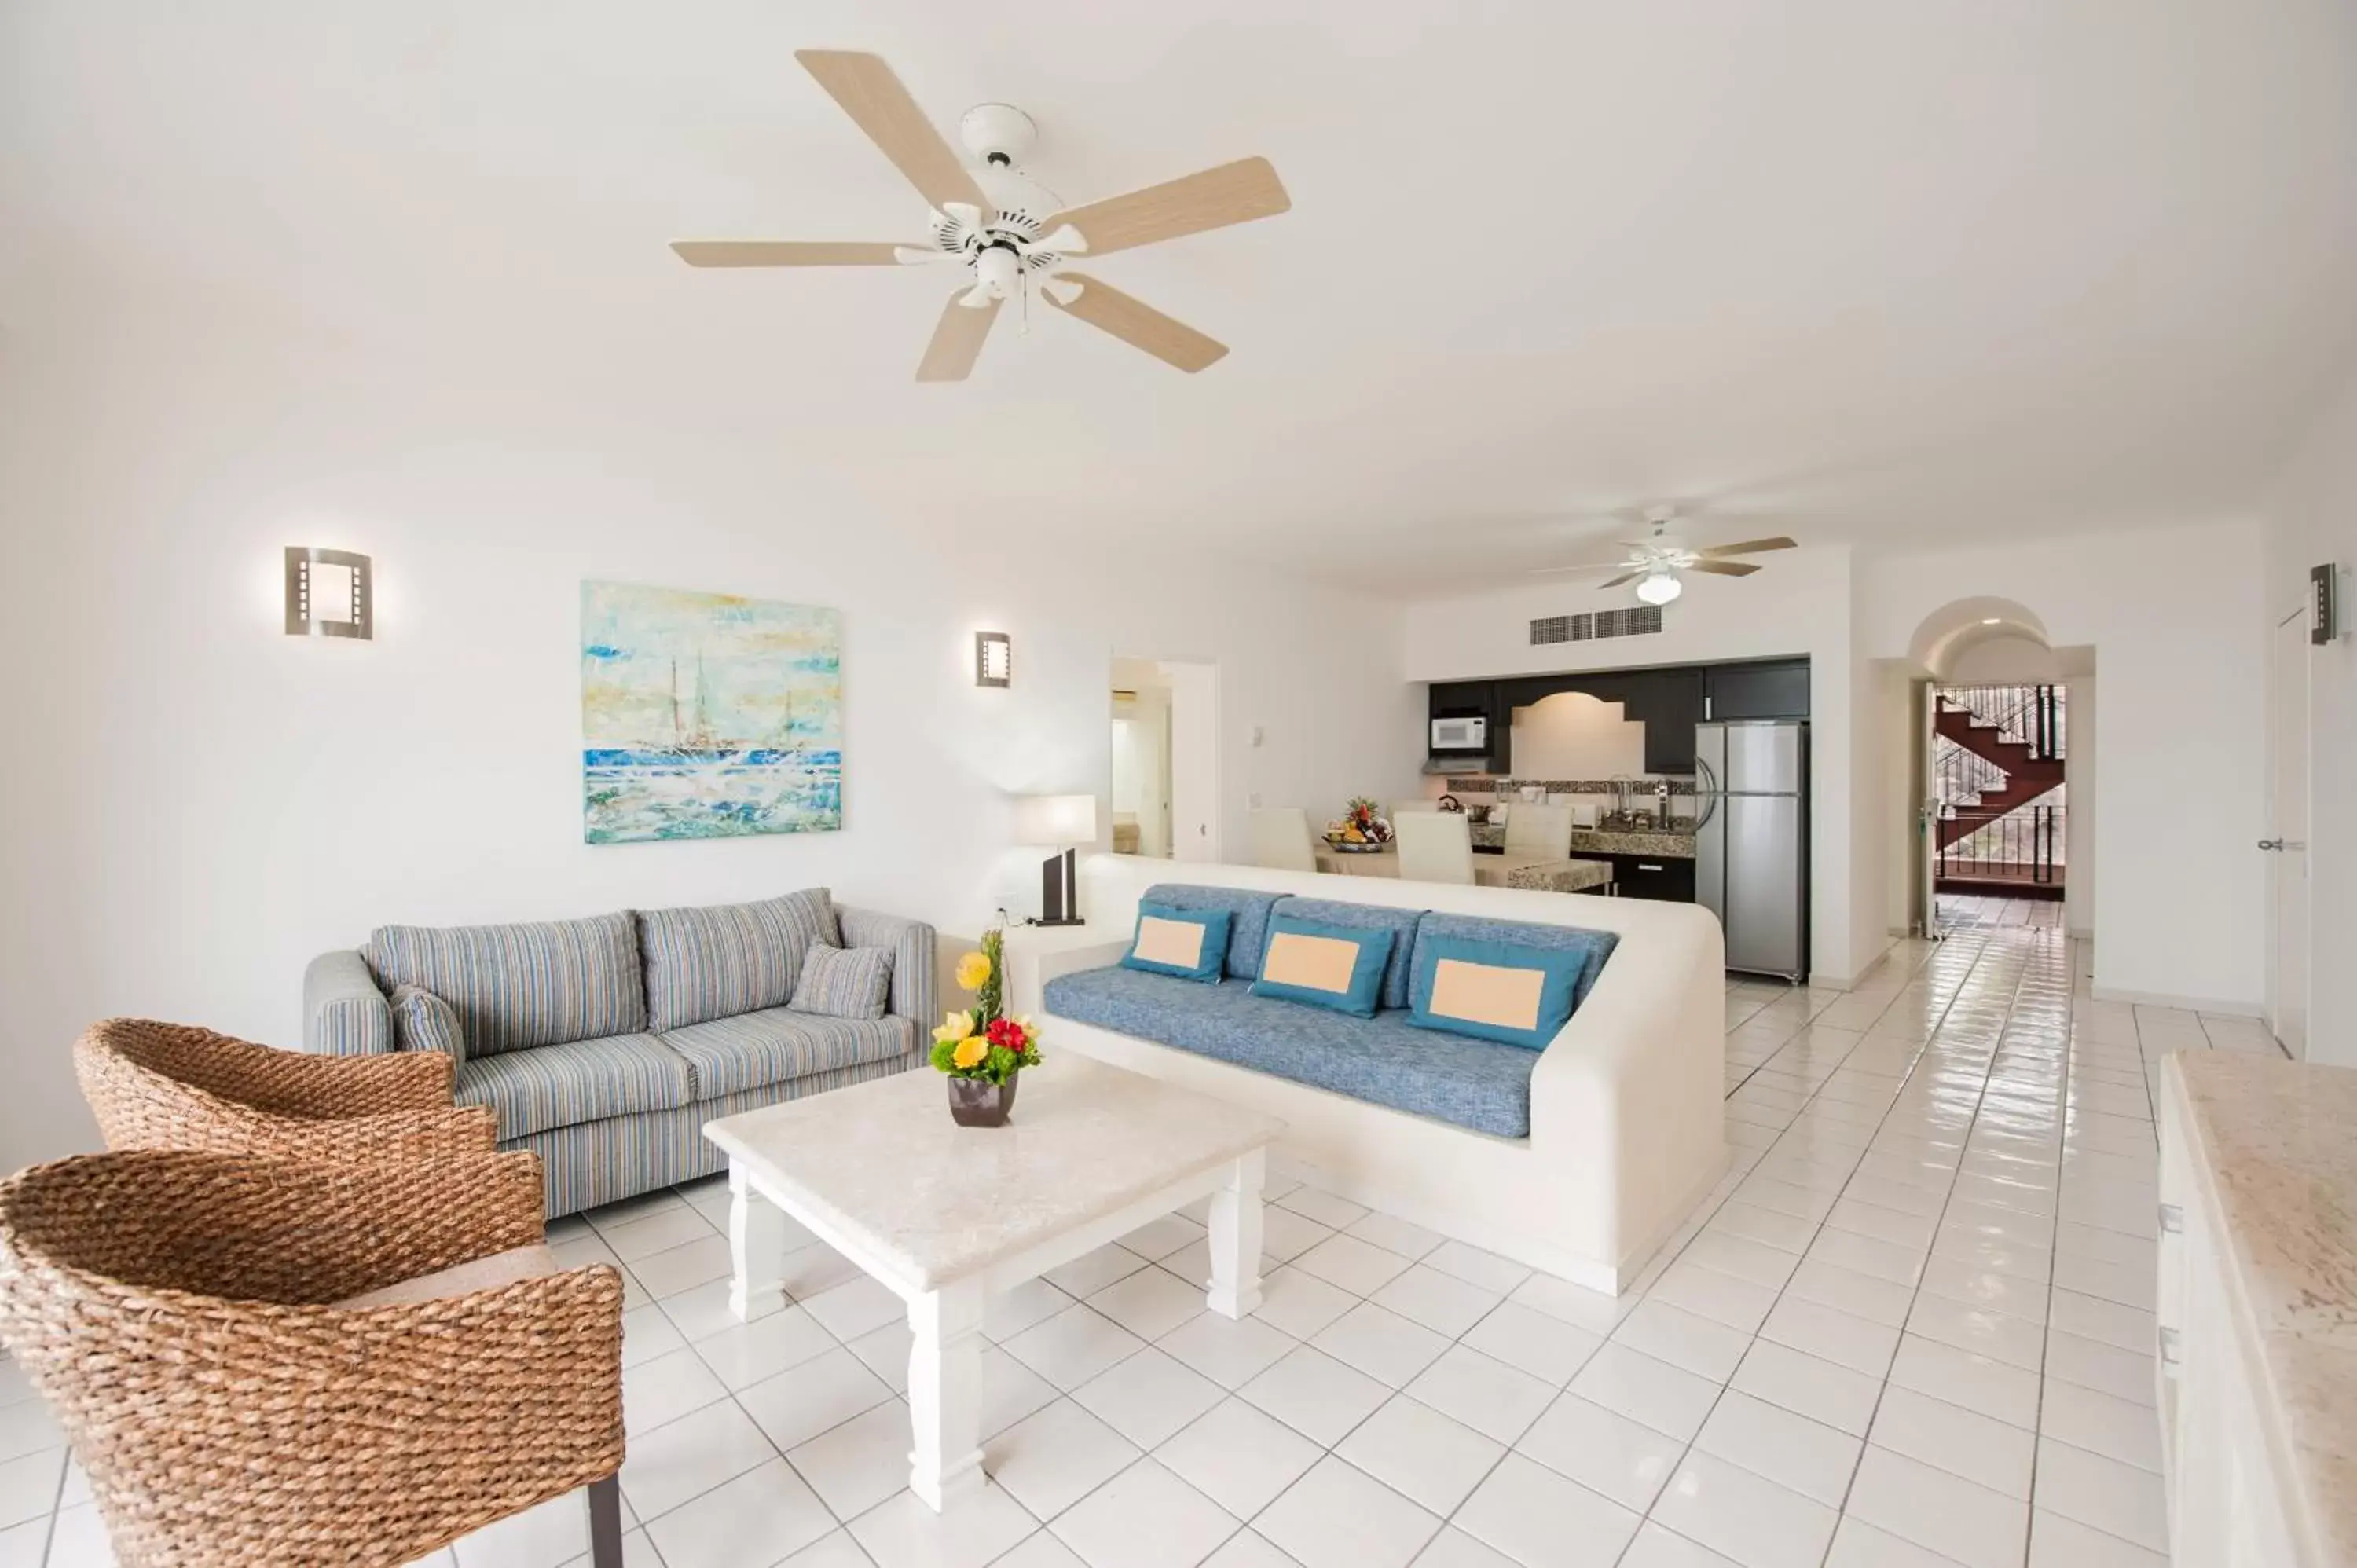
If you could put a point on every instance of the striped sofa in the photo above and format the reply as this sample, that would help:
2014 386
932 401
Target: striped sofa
605 1044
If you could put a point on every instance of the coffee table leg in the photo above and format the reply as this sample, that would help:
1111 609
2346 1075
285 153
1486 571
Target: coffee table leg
757 1250
945 1393
1236 1238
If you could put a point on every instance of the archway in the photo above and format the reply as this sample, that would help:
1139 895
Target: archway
1986 712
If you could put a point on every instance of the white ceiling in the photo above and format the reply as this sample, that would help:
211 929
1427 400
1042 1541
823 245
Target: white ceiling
1884 270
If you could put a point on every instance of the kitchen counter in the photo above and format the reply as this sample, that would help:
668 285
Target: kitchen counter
1541 872
1678 842
2259 1301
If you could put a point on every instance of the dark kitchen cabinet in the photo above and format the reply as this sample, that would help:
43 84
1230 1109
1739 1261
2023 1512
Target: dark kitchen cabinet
1774 691
1669 703
1664 878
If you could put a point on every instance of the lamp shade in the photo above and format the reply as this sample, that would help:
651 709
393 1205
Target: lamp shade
1056 819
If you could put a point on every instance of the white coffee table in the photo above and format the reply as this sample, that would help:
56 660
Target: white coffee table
947 1216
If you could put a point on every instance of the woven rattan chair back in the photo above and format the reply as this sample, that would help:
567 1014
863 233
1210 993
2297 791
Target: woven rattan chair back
175 1086
173 1308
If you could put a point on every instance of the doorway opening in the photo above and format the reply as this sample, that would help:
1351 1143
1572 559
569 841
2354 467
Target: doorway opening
1165 760
1999 765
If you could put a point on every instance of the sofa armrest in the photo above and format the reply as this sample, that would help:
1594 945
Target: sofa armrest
912 946
344 1013
1032 964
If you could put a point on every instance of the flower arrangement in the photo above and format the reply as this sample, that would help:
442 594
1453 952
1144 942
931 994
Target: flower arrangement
982 1043
1362 822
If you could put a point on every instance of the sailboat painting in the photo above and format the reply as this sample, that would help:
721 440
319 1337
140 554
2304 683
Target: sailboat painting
705 715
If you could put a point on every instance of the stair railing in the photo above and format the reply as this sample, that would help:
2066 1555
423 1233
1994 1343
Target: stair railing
2033 716
2025 844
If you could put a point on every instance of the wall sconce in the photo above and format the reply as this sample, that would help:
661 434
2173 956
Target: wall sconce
993 658
328 593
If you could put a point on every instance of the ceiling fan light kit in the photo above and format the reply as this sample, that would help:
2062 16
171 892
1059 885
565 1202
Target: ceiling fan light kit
1657 563
1013 235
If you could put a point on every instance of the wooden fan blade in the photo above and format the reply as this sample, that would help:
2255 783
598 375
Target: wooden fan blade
880 107
1108 309
957 339
1623 577
1724 568
784 253
1232 193
1749 547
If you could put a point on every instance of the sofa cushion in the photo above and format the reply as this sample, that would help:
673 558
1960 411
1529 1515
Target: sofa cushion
1185 944
521 985
1383 1059
548 1086
755 1049
1247 918
424 1021
1323 965
1595 946
843 983
716 961
1400 923
1518 993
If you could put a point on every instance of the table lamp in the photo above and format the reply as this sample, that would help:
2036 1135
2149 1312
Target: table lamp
1063 821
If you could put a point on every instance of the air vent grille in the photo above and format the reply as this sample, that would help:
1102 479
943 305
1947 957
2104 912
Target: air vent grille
1635 621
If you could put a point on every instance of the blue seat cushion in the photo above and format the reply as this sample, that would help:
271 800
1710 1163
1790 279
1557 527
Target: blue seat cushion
1247 918
1597 945
1400 923
776 1045
541 1088
1384 1059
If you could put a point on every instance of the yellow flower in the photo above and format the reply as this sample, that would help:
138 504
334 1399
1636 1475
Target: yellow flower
971 1050
955 1026
971 971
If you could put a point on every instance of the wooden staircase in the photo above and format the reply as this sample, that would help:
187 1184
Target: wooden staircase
2028 775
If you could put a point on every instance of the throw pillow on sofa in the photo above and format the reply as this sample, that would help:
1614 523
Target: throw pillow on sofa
1505 992
843 983
1185 944
724 959
424 1021
1324 965
517 986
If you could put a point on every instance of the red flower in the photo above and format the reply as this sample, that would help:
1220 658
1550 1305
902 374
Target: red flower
1006 1033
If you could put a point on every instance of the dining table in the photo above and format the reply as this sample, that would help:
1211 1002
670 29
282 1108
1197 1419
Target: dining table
1515 868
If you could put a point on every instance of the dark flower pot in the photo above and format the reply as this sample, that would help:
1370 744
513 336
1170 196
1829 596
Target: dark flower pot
978 1102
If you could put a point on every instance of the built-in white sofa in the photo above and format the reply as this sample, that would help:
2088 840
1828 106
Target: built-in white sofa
1626 1129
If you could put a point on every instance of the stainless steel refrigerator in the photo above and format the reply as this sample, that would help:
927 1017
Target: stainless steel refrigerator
1751 841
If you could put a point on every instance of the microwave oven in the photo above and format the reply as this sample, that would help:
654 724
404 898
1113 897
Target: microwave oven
1466 732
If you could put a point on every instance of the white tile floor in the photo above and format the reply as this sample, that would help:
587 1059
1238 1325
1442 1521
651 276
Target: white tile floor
1913 1327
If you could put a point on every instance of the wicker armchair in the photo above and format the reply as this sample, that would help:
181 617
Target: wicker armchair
174 1310
173 1086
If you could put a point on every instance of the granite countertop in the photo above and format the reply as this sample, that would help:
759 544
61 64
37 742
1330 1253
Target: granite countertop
2274 1150
1678 844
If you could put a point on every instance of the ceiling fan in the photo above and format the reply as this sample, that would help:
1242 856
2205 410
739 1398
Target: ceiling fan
1012 235
1653 564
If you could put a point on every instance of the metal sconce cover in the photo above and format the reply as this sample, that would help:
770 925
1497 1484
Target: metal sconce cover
307 616
993 658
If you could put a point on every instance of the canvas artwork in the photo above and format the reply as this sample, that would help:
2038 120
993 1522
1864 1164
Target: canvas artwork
705 715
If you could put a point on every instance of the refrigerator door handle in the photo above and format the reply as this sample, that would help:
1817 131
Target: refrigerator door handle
1708 791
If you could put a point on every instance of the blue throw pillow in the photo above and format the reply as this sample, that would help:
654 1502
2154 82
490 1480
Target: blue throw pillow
1324 965
1190 944
1507 992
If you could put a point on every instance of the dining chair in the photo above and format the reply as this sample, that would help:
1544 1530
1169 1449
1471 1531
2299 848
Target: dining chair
1540 831
346 1364
1413 808
175 1086
1434 846
1280 839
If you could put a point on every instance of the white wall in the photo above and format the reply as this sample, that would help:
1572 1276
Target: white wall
2312 519
194 803
2172 617
1801 605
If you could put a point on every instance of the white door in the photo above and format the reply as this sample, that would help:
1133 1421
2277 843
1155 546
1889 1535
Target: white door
1194 760
2286 843
1923 771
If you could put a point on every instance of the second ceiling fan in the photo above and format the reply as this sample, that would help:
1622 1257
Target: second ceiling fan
1653 564
1012 236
